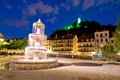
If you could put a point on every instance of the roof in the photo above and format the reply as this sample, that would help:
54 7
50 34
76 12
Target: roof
86 37
59 37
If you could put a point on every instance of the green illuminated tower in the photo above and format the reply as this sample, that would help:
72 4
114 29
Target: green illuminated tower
79 20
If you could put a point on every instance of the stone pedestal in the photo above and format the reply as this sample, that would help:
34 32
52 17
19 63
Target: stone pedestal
33 65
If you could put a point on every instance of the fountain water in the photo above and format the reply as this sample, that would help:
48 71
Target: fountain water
35 54
35 50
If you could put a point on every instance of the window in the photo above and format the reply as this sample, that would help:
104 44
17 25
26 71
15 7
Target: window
101 35
101 40
105 34
90 44
111 41
106 40
91 39
97 46
96 35
97 40
82 40
83 45
68 41
87 45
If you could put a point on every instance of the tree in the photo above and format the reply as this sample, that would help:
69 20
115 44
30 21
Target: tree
3 45
18 44
107 50
117 37
85 27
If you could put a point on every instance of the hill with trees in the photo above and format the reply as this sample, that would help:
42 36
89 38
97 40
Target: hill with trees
84 27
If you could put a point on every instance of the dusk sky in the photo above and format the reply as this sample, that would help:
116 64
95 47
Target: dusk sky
17 16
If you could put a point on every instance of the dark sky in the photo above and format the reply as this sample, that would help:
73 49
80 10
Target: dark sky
17 16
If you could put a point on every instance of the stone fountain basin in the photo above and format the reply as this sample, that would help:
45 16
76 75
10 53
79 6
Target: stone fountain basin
34 64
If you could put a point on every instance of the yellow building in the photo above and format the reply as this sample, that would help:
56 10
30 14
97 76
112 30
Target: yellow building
71 44
47 43
86 43
63 44
1 38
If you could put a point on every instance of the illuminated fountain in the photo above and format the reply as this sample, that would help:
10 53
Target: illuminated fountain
35 50
35 54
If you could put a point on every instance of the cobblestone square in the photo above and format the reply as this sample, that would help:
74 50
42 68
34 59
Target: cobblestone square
70 69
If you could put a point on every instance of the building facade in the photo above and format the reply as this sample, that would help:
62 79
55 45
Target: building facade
71 44
101 38
63 44
1 38
86 43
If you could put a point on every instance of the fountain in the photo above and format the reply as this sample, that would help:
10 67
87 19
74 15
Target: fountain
35 54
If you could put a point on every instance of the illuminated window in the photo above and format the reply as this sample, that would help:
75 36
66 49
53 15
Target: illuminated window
82 45
91 39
